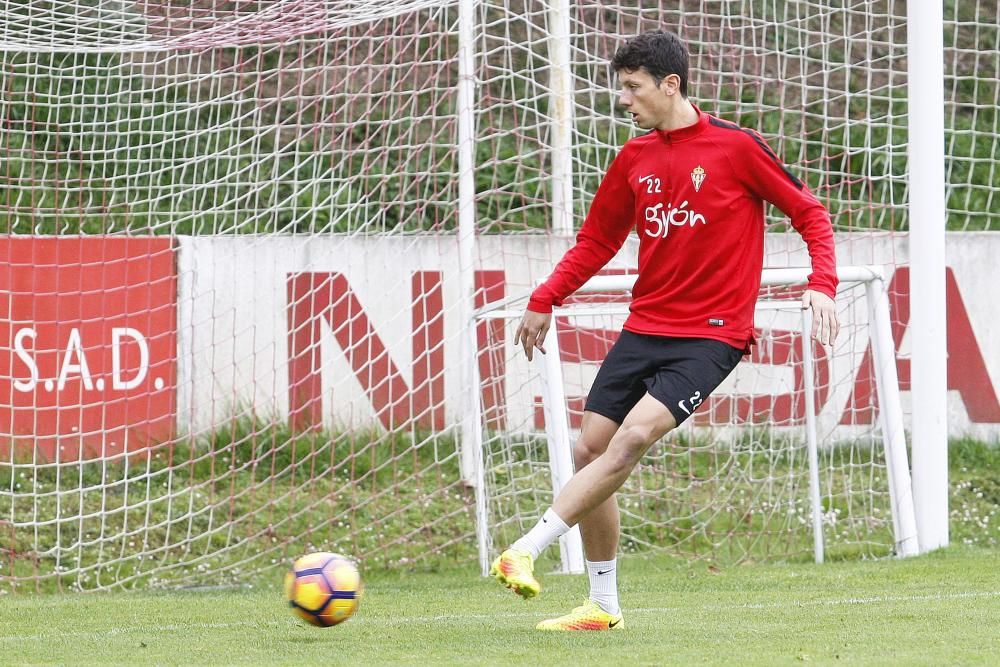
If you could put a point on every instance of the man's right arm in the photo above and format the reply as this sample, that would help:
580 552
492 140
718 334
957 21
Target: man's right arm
608 223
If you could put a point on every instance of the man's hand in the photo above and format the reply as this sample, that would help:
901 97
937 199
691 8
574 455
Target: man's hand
531 331
825 325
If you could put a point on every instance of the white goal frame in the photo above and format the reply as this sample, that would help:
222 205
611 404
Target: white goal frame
557 430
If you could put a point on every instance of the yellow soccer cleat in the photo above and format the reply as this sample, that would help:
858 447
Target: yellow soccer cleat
515 570
588 616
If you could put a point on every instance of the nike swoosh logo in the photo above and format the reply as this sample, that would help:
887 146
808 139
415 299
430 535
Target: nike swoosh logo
611 625
544 520
605 571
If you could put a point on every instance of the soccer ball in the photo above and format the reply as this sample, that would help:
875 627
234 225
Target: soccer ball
323 588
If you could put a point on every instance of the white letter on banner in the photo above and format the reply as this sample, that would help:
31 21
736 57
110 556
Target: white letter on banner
75 345
116 371
24 356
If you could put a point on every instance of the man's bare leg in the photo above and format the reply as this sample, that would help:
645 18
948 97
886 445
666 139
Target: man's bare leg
601 528
648 421
600 533
591 487
603 465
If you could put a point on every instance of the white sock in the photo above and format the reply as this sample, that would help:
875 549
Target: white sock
548 529
604 584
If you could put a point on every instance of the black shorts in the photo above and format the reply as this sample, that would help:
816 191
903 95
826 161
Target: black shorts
678 372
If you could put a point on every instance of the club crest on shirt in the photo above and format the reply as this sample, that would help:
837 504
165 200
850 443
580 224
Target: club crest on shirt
698 177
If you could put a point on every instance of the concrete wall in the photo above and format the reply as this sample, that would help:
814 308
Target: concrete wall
234 344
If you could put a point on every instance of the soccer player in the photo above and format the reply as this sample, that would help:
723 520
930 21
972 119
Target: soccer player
693 188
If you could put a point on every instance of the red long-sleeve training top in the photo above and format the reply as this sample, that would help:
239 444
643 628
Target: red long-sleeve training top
695 197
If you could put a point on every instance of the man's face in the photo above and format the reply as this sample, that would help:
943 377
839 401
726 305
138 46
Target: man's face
648 103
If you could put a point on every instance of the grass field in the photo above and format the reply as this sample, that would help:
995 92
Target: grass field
942 608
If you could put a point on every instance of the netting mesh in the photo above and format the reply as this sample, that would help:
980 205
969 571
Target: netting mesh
349 130
972 97
251 117
286 372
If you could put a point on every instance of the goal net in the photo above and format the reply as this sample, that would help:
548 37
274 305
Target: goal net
243 243
770 466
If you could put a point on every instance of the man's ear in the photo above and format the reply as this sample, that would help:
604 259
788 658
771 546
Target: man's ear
670 84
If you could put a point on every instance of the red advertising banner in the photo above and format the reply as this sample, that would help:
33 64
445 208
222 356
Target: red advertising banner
87 346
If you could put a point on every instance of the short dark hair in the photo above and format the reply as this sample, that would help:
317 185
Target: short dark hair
659 52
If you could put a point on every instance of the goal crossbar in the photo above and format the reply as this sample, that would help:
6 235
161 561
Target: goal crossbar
777 277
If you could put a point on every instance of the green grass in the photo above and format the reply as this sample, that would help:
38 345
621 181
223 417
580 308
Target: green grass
943 608
974 505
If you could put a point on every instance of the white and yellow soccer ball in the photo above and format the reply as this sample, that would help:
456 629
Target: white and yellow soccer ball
324 589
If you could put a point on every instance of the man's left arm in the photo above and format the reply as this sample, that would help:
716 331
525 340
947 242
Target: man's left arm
770 180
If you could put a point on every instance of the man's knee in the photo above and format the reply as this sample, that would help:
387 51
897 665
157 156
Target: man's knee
595 434
629 445
586 450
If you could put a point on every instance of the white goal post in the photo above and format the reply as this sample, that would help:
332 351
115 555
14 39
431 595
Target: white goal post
868 282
